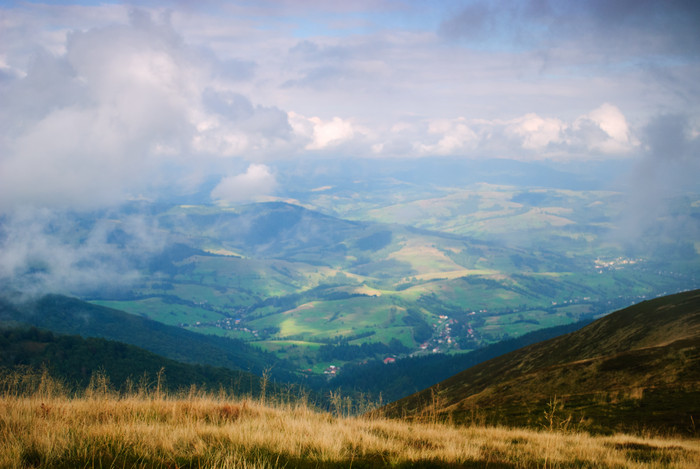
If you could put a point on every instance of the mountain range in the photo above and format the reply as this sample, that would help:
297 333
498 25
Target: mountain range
290 278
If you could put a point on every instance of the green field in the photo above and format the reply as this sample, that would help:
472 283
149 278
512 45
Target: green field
496 261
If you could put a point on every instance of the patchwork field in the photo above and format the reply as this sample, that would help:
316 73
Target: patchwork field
498 261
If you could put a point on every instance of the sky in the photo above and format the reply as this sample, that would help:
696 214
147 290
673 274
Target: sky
103 102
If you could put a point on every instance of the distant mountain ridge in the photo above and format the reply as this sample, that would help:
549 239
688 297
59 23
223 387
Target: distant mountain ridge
635 369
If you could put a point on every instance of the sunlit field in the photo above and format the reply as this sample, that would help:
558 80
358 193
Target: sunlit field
99 427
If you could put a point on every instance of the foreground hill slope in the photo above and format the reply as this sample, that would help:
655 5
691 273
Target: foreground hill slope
208 432
635 369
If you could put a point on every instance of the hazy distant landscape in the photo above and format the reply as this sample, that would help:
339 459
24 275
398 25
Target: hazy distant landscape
295 278
313 234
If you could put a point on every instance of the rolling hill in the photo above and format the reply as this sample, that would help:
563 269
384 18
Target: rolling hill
291 279
445 270
75 361
637 369
67 315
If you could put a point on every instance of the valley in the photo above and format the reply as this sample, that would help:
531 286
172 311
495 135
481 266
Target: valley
448 273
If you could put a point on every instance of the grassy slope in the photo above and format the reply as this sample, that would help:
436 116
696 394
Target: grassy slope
634 369
101 430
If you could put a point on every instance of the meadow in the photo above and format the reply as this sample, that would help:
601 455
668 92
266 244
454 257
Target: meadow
43 424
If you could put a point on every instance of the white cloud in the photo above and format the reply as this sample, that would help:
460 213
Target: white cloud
125 109
615 137
48 251
537 132
454 136
601 132
256 182
102 102
321 134
99 117
330 132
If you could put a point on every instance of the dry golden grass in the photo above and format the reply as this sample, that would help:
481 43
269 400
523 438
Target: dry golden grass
99 428
208 432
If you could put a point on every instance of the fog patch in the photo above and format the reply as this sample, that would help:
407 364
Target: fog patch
44 251
660 187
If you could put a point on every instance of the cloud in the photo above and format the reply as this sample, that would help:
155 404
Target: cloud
610 28
602 132
256 182
536 132
44 251
668 168
615 137
454 136
104 111
319 133
116 103
126 109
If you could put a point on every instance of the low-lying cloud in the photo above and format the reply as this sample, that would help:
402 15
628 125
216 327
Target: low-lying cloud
256 182
668 169
44 251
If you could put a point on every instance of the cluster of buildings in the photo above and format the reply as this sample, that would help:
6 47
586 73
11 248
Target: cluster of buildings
229 324
442 340
614 264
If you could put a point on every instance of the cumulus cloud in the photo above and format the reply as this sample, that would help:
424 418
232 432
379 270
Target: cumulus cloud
256 182
118 102
453 136
537 132
161 96
125 109
602 132
230 125
614 136
319 133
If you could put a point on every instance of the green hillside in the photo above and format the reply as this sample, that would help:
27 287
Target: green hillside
66 315
411 374
290 280
634 370
75 360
